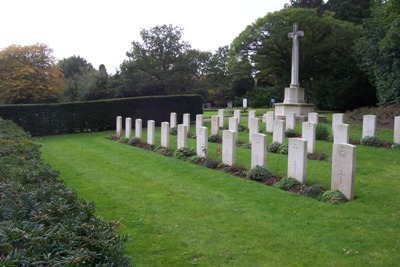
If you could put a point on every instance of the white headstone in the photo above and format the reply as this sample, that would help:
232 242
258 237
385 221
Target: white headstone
138 128
270 121
259 150
128 128
234 127
237 113
254 127
291 121
230 104
118 130
172 119
186 121
341 133
279 131
308 132
151 132
221 118
182 136
202 141
264 118
199 121
245 102
228 147
337 118
165 134
297 159
214 125
369 125
252 113
343 169
396 139
313 117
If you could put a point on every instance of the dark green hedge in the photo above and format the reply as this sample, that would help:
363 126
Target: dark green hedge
42 222
48 119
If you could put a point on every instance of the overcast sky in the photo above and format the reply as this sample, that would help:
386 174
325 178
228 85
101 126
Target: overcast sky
101 31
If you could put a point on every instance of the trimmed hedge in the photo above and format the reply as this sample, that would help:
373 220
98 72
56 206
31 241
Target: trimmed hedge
48 119
42 222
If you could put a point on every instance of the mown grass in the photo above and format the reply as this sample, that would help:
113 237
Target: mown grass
181 214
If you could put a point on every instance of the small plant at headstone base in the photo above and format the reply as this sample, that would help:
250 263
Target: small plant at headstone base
291 133
395 146
159 147
371 141
283 149
184 153
173 131
333 197
134 141
258 173
243 128
273 147
248 145
194 159
319 156
286 183
214 138
321 132
123 140
314 191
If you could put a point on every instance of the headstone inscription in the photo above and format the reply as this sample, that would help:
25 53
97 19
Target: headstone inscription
343 169
341 133
258 150
297 159
337 118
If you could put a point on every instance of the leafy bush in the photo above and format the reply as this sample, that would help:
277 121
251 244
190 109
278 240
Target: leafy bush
193 159
123 140
173 131
273 147
395 146
42 222
214 138
184 153
243 128
290 133
283 149
321 132
248 145
286 183
333 197
258 173
371 141
133 141
314 191
210 163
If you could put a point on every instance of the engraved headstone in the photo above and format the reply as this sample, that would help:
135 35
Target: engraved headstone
343 169
128 128
165 134
291 121
186 121
297 159
199 121
234 127
396 139
258 150
228 147
308 132
118 130
313 117
172 120
341 133
254 127
279 131
202 142
221 118
337 118
138 128
151 132
214 125
237 113
369 125
182 136
270 121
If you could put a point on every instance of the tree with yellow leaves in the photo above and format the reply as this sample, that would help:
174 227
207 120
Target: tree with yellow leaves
29 74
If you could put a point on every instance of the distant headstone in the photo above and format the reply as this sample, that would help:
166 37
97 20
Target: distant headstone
230 104
186 121
234 127
151 132
337 118
165 134
343 169
264 118
341 133
214 125
252 113
202 141
138 128
270 121
313 117
297 159
396 139
308 132
221 118
258 150
118 130
128 128
244 102
279 131
199 121
291 121
173 120
182 136
369 125
238 114
254 127
228 147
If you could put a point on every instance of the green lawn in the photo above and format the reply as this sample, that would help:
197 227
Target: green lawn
181 214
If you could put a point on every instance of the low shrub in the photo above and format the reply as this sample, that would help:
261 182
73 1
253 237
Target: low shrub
134 141
314 191
273 147
243 128
194 159
210 163
258 173
290 133
286 183
395 146
214 138
184 153
333 197
321 132
371 141
283 149
173 131
248 145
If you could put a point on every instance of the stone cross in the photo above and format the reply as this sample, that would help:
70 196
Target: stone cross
295 55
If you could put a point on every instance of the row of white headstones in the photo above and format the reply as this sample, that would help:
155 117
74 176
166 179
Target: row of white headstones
343 155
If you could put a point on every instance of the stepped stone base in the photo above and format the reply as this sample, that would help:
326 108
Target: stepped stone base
300 109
